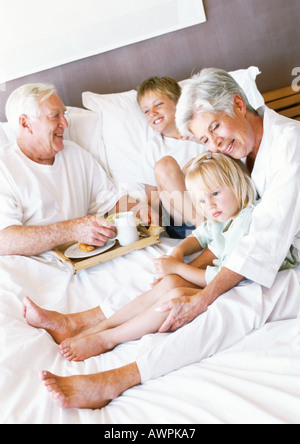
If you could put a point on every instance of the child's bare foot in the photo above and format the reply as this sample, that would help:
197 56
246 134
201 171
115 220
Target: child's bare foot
60 326
91 391
81 348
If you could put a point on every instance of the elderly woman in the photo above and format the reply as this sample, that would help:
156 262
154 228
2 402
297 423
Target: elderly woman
215 110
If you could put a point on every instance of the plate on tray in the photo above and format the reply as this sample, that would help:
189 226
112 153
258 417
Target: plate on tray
74 252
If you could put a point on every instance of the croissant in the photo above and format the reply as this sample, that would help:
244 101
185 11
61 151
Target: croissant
86 248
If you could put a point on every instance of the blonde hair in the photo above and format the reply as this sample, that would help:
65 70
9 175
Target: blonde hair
222 170
163 85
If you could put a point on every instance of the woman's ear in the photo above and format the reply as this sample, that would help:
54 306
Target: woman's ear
239 105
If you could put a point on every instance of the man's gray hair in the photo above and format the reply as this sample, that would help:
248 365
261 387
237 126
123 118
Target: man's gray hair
212 90
27 100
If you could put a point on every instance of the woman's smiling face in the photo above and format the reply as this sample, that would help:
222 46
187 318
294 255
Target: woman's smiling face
221 133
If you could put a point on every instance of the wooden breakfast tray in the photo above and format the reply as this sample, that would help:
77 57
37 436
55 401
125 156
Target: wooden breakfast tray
148 237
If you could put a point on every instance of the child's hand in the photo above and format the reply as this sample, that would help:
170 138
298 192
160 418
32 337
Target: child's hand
166 265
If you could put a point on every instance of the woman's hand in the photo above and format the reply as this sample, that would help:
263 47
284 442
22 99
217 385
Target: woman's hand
184 305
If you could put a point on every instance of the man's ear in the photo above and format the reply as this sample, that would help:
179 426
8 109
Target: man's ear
24 122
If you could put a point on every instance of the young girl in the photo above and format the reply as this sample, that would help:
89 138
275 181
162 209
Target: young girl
223 189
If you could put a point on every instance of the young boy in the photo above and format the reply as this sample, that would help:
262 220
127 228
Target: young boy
158 98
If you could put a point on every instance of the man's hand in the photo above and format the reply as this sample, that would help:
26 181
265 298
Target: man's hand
35 240
184 304
92 230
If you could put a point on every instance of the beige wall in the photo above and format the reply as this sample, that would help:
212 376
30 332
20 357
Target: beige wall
237 34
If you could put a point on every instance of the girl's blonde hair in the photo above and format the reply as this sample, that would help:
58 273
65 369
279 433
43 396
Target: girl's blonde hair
221 170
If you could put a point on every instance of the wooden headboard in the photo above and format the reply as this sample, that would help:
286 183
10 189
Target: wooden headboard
285 101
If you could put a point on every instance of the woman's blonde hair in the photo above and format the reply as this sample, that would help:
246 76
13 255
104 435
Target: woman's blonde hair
163 85
221 170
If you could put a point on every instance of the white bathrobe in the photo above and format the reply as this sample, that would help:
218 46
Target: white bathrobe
276 220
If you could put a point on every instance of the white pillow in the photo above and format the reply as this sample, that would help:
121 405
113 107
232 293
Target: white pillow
246 78
125 129
85 129
7 136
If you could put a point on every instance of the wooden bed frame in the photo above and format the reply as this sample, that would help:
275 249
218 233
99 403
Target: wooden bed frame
285 101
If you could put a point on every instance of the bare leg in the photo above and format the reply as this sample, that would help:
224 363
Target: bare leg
91 391
143 322
137 306
60 326
174 196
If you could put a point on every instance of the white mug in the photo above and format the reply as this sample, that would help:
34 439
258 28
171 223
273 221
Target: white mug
127 232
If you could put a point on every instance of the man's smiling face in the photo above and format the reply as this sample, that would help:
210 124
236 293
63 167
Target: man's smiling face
47 132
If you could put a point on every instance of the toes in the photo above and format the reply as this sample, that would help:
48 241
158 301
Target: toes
66 351
26 302
51 383
47 377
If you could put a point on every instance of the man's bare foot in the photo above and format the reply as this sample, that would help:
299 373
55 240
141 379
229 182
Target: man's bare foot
81 348
60 326
91 391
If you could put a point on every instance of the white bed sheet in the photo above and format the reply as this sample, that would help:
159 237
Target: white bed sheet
255 381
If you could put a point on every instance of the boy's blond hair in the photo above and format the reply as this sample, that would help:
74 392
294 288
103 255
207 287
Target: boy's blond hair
221 170
163 85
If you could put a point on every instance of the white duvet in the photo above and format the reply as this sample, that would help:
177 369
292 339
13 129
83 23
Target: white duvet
255 381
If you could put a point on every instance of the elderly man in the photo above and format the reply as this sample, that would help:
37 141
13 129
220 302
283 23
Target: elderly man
51 191
215 110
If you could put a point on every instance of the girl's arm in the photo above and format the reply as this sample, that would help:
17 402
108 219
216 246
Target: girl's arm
174 264
188 246
167 265
204 260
